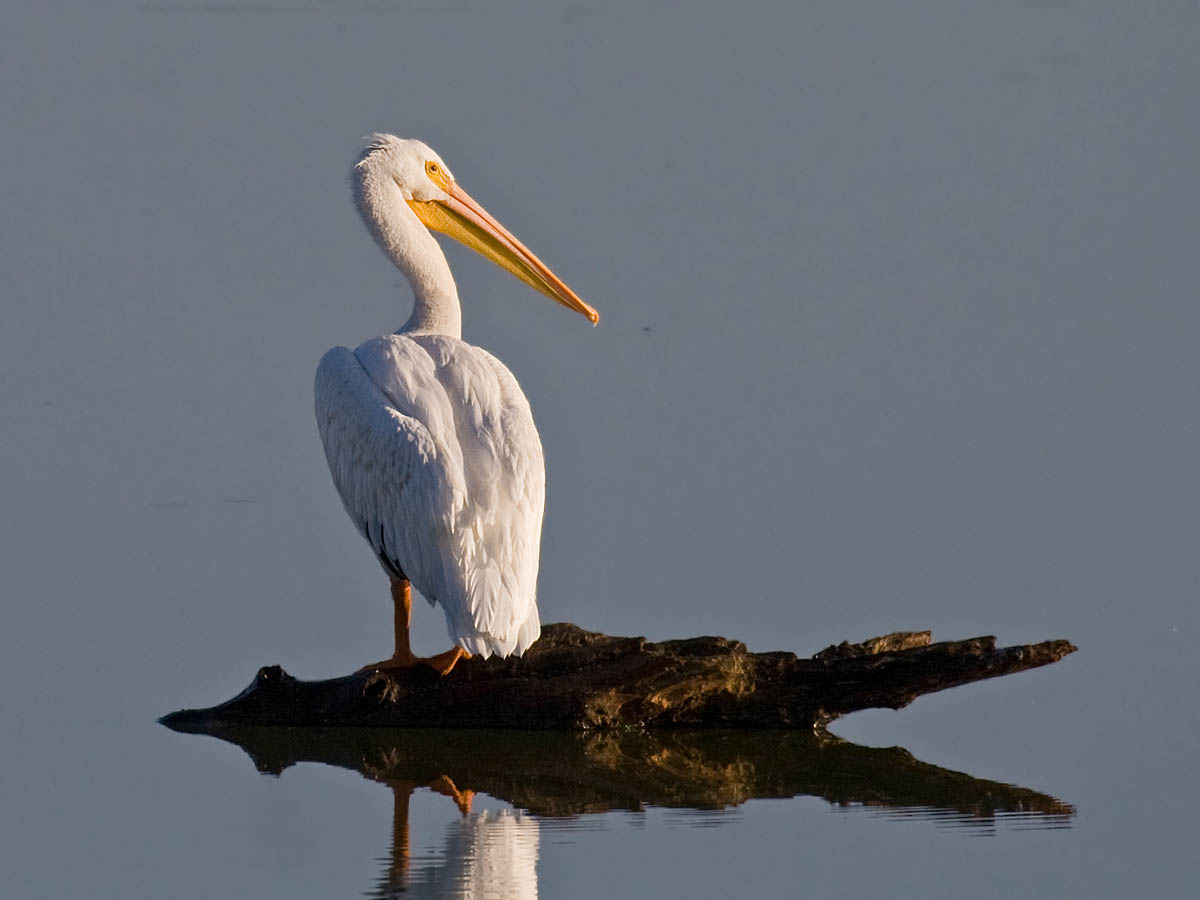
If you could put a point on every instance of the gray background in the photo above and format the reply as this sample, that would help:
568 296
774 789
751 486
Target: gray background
898 330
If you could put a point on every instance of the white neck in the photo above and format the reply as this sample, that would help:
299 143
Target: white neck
413 249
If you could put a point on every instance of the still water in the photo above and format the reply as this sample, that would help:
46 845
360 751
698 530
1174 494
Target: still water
898 331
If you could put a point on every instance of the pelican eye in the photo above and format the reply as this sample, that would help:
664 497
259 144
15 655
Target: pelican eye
437 174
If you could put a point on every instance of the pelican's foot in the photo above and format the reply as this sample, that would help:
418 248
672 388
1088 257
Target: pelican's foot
442 663
462 799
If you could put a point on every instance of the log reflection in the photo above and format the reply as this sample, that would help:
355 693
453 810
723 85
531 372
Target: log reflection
575 774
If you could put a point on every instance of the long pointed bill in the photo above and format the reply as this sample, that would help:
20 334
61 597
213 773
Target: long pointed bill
467 222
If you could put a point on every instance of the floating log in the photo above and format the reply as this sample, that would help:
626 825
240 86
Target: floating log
576 679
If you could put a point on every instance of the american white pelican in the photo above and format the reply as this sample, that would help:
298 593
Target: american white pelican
430 441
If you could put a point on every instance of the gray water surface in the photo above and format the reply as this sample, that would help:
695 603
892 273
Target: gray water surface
898 331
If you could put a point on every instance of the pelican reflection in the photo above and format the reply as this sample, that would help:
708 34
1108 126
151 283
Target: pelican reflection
494 853
485 853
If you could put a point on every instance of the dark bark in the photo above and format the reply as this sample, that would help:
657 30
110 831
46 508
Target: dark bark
575 679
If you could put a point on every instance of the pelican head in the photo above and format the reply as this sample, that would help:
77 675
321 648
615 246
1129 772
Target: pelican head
430 191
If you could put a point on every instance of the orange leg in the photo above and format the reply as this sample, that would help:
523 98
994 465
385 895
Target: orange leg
403 657
396 874
462 799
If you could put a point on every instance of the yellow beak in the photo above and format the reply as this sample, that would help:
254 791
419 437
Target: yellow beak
467 222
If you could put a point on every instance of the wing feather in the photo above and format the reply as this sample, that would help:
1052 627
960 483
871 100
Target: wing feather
434 453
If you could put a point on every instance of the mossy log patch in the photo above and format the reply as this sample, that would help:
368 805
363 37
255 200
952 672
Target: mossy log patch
576 679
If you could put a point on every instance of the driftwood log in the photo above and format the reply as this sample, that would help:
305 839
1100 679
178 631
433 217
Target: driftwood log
576 679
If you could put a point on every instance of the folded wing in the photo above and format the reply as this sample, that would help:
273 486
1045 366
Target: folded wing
433 450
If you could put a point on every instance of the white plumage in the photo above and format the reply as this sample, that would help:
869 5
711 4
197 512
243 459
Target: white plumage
430 441
486 855
434 452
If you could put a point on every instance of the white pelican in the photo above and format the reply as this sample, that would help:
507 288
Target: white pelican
430 440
